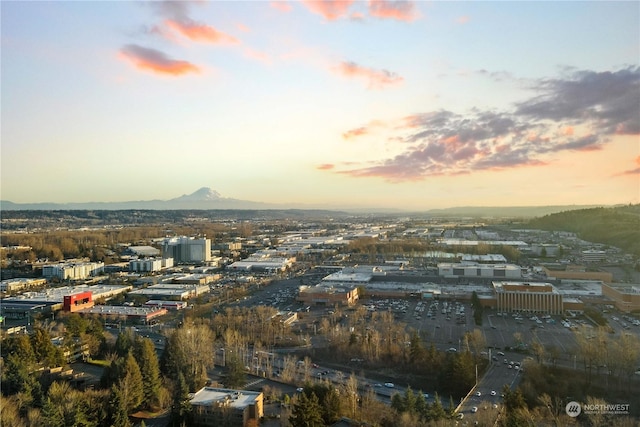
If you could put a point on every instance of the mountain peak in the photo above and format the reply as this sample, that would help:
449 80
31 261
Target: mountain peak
202 194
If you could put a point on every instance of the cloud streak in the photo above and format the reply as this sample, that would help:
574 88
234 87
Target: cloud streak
399 10
600 105
200 32
153 60
331 10
376 79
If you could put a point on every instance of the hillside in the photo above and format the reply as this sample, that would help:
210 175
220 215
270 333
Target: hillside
618 226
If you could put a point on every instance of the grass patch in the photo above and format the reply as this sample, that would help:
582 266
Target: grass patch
99 362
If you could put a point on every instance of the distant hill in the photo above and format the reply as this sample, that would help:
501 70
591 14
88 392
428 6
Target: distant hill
504 211
615 226
204 198
207 199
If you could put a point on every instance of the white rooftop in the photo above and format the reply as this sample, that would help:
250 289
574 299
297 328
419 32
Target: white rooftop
236 398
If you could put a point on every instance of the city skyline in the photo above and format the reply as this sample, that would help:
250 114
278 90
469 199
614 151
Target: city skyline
409 105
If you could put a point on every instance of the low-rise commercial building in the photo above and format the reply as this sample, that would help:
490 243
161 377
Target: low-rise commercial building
473 270
149 265
328 294
527 297
13 285
225 407
142 315
625 298
575 272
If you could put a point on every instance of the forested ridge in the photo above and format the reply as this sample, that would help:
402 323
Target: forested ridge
617 226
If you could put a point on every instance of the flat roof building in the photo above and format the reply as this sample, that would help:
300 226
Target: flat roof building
527 297
328 294
471 270
625 298
225 407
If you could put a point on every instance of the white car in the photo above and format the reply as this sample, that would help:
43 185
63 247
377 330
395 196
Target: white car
474 409
478 394
389 385
493 392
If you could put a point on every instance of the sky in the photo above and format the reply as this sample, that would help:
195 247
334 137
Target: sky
396 104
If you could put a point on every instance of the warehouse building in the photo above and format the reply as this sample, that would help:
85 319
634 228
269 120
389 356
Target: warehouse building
474 270
625 298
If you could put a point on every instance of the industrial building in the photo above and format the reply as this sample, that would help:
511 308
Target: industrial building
527 297
187 250
575 272
219 406
174 291
13 285
169 305
53 299
625 298
150 265
474 270
264 260
142 315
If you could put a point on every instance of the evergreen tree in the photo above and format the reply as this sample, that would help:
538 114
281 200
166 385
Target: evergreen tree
409 401
421 406
306 412
416 351
147 358
452 407
119 416
331 406
124 342
180 407
45 351
436 411
131 384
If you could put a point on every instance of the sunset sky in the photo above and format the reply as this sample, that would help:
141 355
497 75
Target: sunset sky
409 105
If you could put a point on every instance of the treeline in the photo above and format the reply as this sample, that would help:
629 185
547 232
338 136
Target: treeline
103 245
322 404
380 342
415 247
619 226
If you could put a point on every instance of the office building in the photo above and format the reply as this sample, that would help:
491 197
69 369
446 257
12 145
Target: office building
224 407
527 297
187 250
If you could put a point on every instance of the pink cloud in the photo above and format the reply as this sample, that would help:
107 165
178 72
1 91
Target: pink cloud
353 133
330 9
200 32
462 20
363 130
325 166
155 61
377 78
281 5
386 9
635 171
